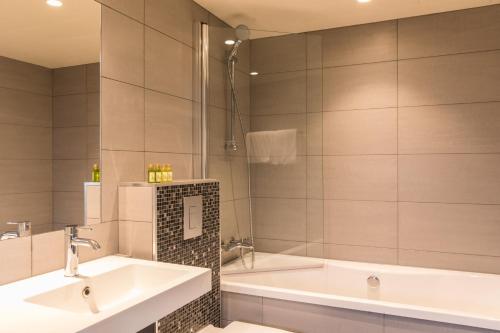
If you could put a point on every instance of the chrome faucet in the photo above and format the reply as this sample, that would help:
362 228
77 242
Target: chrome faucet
23 229
243 244
71 244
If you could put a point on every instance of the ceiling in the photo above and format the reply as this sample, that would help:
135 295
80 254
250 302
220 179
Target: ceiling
31 31
275 17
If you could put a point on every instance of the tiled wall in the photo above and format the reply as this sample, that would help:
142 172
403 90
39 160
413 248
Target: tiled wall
25 144
312 318
75 138
399 141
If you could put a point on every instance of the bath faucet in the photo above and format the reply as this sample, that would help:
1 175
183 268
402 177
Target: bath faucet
23 229
242 244
71 244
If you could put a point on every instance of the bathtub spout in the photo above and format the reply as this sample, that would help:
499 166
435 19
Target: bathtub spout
241 245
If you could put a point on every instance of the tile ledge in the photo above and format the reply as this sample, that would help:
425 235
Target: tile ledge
175 182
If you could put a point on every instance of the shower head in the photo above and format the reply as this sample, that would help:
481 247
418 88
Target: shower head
242 34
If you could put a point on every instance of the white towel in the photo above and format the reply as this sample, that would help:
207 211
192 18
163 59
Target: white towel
277 147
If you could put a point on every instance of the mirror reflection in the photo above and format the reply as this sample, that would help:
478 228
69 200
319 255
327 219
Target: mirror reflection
49 115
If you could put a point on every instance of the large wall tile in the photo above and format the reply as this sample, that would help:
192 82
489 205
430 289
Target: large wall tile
218 33
239 174
93 109
462 78
315 133
219 90
312 318
379 255
30 176
136 239
93 77
360 86
314 41
70 110
280 181
68 175
105 234
219 167
26 77
173 17
70 80
169 122
472 229
132 8
360 132
167 59
69 143
278 93
47 252
122 50
315 230
272 55
315 90
34 207
363 223
25 142
314 177
122 116
461 128
454 261
283 219
15 254
292 248
370 177
68 207
453 32
359 44
450 178
24 108
241 307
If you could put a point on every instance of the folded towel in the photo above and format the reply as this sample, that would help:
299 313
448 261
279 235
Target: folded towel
277 147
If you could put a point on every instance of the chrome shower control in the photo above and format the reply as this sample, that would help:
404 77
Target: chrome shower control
373 281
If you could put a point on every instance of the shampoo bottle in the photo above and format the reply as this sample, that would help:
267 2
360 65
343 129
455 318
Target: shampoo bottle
170 173
157 174
151 174
96 174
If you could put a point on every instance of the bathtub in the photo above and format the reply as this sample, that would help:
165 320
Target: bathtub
460 298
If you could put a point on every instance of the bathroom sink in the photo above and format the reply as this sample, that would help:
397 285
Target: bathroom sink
112 294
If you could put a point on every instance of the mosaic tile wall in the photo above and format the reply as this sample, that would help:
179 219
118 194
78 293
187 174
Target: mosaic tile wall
202 251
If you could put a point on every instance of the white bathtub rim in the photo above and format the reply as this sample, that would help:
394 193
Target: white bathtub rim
366 305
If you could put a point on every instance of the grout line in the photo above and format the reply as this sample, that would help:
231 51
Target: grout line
397 142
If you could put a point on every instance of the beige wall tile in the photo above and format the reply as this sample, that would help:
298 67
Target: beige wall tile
312 318
167 58
315 90
453 32
315 181
463 78
136 239
69 175
169 122
278 93
122 51
29 176
361 223
218 33
315 250
122 116
47 252
361 253
471 229
242 87
282 122
314 49
217 134
228 222
26 77
25 142
132 8
15 254
454 261
239 174
279 54
241 307
70 110
70 80
450 178
315 133
360 132
182 164
461 128
219 90
371 177
24 108
68 207
93 76
118 166
283 219
106 234
292 248
315 223
173 17
360 86
69 143
241 209
360 44
280 180
93 109
34 207
219 167
136 203
93 142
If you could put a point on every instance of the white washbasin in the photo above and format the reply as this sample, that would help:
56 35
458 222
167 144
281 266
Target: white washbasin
112 294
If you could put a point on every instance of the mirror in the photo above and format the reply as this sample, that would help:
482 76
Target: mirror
49 114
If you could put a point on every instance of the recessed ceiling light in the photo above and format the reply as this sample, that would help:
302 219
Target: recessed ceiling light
254 73
364 1
54 3
229 42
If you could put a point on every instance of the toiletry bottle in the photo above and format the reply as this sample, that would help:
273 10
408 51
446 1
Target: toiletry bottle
96 174
170 173
157 174
151 174
164 174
